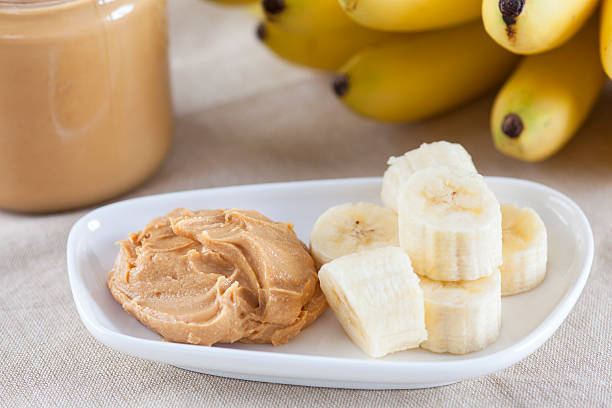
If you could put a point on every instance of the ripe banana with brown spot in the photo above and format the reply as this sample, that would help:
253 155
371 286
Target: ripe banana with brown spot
535 26
548 98
327 50
413 77
306 16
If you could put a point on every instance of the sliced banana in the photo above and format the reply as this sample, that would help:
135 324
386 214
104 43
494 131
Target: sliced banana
450 224
428 155
525 249
377 298
462 317
348 228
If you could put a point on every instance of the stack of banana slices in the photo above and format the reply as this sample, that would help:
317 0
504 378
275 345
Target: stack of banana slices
430 267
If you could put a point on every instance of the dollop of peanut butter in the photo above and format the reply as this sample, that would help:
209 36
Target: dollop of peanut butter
218 276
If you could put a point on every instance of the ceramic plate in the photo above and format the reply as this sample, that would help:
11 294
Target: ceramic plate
322 355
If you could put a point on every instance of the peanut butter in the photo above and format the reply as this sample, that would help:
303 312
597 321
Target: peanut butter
218 276
85 110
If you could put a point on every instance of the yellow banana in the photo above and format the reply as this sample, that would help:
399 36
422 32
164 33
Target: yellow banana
605 39
324 50
254 9
534 26
306 15
233 2
548 98
411 15
412 77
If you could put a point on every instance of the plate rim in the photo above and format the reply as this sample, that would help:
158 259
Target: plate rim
460 369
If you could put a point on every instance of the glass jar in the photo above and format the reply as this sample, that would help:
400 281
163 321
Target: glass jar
85 107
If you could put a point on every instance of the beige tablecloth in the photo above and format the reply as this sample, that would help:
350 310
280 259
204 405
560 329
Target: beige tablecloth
245 117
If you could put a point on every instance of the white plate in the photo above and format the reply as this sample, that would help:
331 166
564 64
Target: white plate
322 355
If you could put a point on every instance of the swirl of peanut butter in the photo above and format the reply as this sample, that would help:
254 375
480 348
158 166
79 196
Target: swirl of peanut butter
218 276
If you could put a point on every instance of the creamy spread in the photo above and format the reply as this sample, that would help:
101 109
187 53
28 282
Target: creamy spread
85 109
218 276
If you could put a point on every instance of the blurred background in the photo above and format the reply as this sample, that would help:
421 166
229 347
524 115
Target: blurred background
241 109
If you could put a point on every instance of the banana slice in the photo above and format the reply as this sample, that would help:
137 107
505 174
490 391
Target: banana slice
450 224
377 298
462 317
348 228
428 155
525 249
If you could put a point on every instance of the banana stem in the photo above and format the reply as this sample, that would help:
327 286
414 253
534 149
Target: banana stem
341 85
510 10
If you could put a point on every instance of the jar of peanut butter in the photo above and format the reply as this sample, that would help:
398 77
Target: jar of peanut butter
85 108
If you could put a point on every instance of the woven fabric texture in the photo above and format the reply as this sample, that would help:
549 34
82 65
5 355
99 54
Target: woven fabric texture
243 116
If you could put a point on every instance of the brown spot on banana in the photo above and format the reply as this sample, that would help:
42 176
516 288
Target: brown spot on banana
512 126
510 10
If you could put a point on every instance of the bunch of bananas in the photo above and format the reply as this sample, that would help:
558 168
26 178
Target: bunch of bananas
407 60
